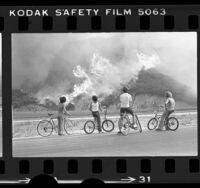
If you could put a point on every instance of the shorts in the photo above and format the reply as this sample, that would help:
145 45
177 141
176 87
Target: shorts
96 114
127 110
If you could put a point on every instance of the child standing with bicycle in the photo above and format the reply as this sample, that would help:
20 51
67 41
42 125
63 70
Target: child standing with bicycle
169 108
61 115
95 106
126 102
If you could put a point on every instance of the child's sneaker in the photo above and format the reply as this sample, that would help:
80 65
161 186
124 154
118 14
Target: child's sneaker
167 129
119 133
135 126
159 129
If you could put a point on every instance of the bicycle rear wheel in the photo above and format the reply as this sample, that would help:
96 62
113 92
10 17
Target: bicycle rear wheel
45 128
108 125
89 127
152 124
172 123
68 126
125 127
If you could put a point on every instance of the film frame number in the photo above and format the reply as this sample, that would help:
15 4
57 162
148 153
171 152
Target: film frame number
143 179
148 12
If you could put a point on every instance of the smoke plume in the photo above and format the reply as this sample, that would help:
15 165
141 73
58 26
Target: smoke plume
51 65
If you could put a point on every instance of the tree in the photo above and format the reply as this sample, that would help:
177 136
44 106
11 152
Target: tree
21 98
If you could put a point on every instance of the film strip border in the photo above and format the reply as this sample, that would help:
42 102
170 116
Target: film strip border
121 170
111 169
149 20
71 23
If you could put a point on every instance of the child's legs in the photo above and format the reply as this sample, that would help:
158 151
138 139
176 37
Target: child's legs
96 115
163 117
130 111
60 125
98 121
120 122
168 114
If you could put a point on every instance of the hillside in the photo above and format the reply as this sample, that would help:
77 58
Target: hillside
147 91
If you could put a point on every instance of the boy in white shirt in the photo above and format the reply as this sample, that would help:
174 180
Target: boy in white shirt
125 105
95 106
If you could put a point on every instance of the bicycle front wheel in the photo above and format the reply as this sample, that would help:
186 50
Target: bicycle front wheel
125 128
45 128
108 125
152 124
89 127
68 126
172 123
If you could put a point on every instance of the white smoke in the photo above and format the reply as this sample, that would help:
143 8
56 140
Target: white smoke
103 77
50 65
148 62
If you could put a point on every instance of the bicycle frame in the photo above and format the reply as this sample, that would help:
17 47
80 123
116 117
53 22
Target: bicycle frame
105 114
105 117
125 115
52 120
156 115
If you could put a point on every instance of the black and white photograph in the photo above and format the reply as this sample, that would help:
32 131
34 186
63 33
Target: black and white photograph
104 94
0 97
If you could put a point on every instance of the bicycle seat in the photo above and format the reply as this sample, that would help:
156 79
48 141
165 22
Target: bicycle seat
50 114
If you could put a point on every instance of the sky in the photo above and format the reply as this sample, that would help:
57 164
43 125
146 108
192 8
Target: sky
50 65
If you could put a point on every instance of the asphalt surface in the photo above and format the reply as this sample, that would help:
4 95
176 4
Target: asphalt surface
182 142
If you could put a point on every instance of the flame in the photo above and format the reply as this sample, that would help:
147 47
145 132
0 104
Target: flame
102 76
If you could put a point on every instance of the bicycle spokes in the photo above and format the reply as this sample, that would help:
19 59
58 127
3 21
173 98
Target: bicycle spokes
89 127
69 127
44 128
173 123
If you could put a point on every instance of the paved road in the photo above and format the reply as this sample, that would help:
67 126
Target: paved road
148 143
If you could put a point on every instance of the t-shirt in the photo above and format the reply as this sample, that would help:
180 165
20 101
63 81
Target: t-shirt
61 107
170 103
125 100
95 106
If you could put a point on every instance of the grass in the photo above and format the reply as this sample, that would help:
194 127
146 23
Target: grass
44 114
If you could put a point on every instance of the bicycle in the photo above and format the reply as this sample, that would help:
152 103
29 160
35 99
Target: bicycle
46 127
126 123
107 125
153 122
171 122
